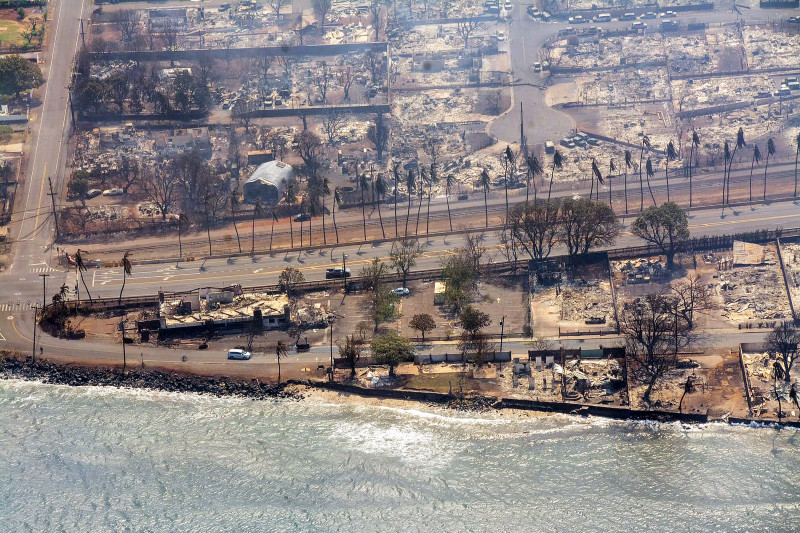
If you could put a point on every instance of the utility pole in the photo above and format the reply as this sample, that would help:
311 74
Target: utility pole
44 289
502 328
124 359
83 34
52 196
344 271
35 317
523 144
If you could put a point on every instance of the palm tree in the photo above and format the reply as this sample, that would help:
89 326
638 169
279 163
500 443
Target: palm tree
396 174
671 154
770 151
337 200
534 168
611 169
448 185
687 387
756 159
80 267
206 209
485 181
126 271
280 353
796 156
727 154
326 191
364 185
272 231
645 144
432 179
291 198
694 145
311 207
410 184
423 180
650 173
258 211
234 203
628 165
596 173
557 163
303 211
510 158
380 192
740 143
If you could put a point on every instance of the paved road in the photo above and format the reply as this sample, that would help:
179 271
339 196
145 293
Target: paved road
264 270
32 227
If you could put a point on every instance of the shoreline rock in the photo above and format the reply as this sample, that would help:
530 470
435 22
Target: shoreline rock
15 367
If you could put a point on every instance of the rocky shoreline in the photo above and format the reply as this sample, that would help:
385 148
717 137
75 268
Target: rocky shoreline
16 367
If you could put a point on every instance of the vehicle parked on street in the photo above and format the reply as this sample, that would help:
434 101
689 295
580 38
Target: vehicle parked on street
401 291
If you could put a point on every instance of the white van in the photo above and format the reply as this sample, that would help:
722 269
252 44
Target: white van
238 353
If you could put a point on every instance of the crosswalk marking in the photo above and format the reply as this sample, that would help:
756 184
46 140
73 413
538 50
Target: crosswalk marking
22 306
44 270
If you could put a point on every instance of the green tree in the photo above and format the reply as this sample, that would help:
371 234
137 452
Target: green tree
665 226
473 320
535 227
422 322
381 302
473 340
90 96
78 185
391 349
587 224
404 256
17 74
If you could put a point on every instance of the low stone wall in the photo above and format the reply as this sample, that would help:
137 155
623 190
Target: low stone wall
19 367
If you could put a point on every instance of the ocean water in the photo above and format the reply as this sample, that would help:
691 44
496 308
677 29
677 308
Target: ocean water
101 459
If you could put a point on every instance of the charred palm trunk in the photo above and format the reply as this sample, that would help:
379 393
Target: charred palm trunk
449 217
380 217
625 179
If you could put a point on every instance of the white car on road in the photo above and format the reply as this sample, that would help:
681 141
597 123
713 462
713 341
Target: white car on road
238 353
401 291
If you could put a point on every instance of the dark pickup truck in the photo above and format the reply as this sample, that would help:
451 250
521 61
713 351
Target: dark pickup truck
334 273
